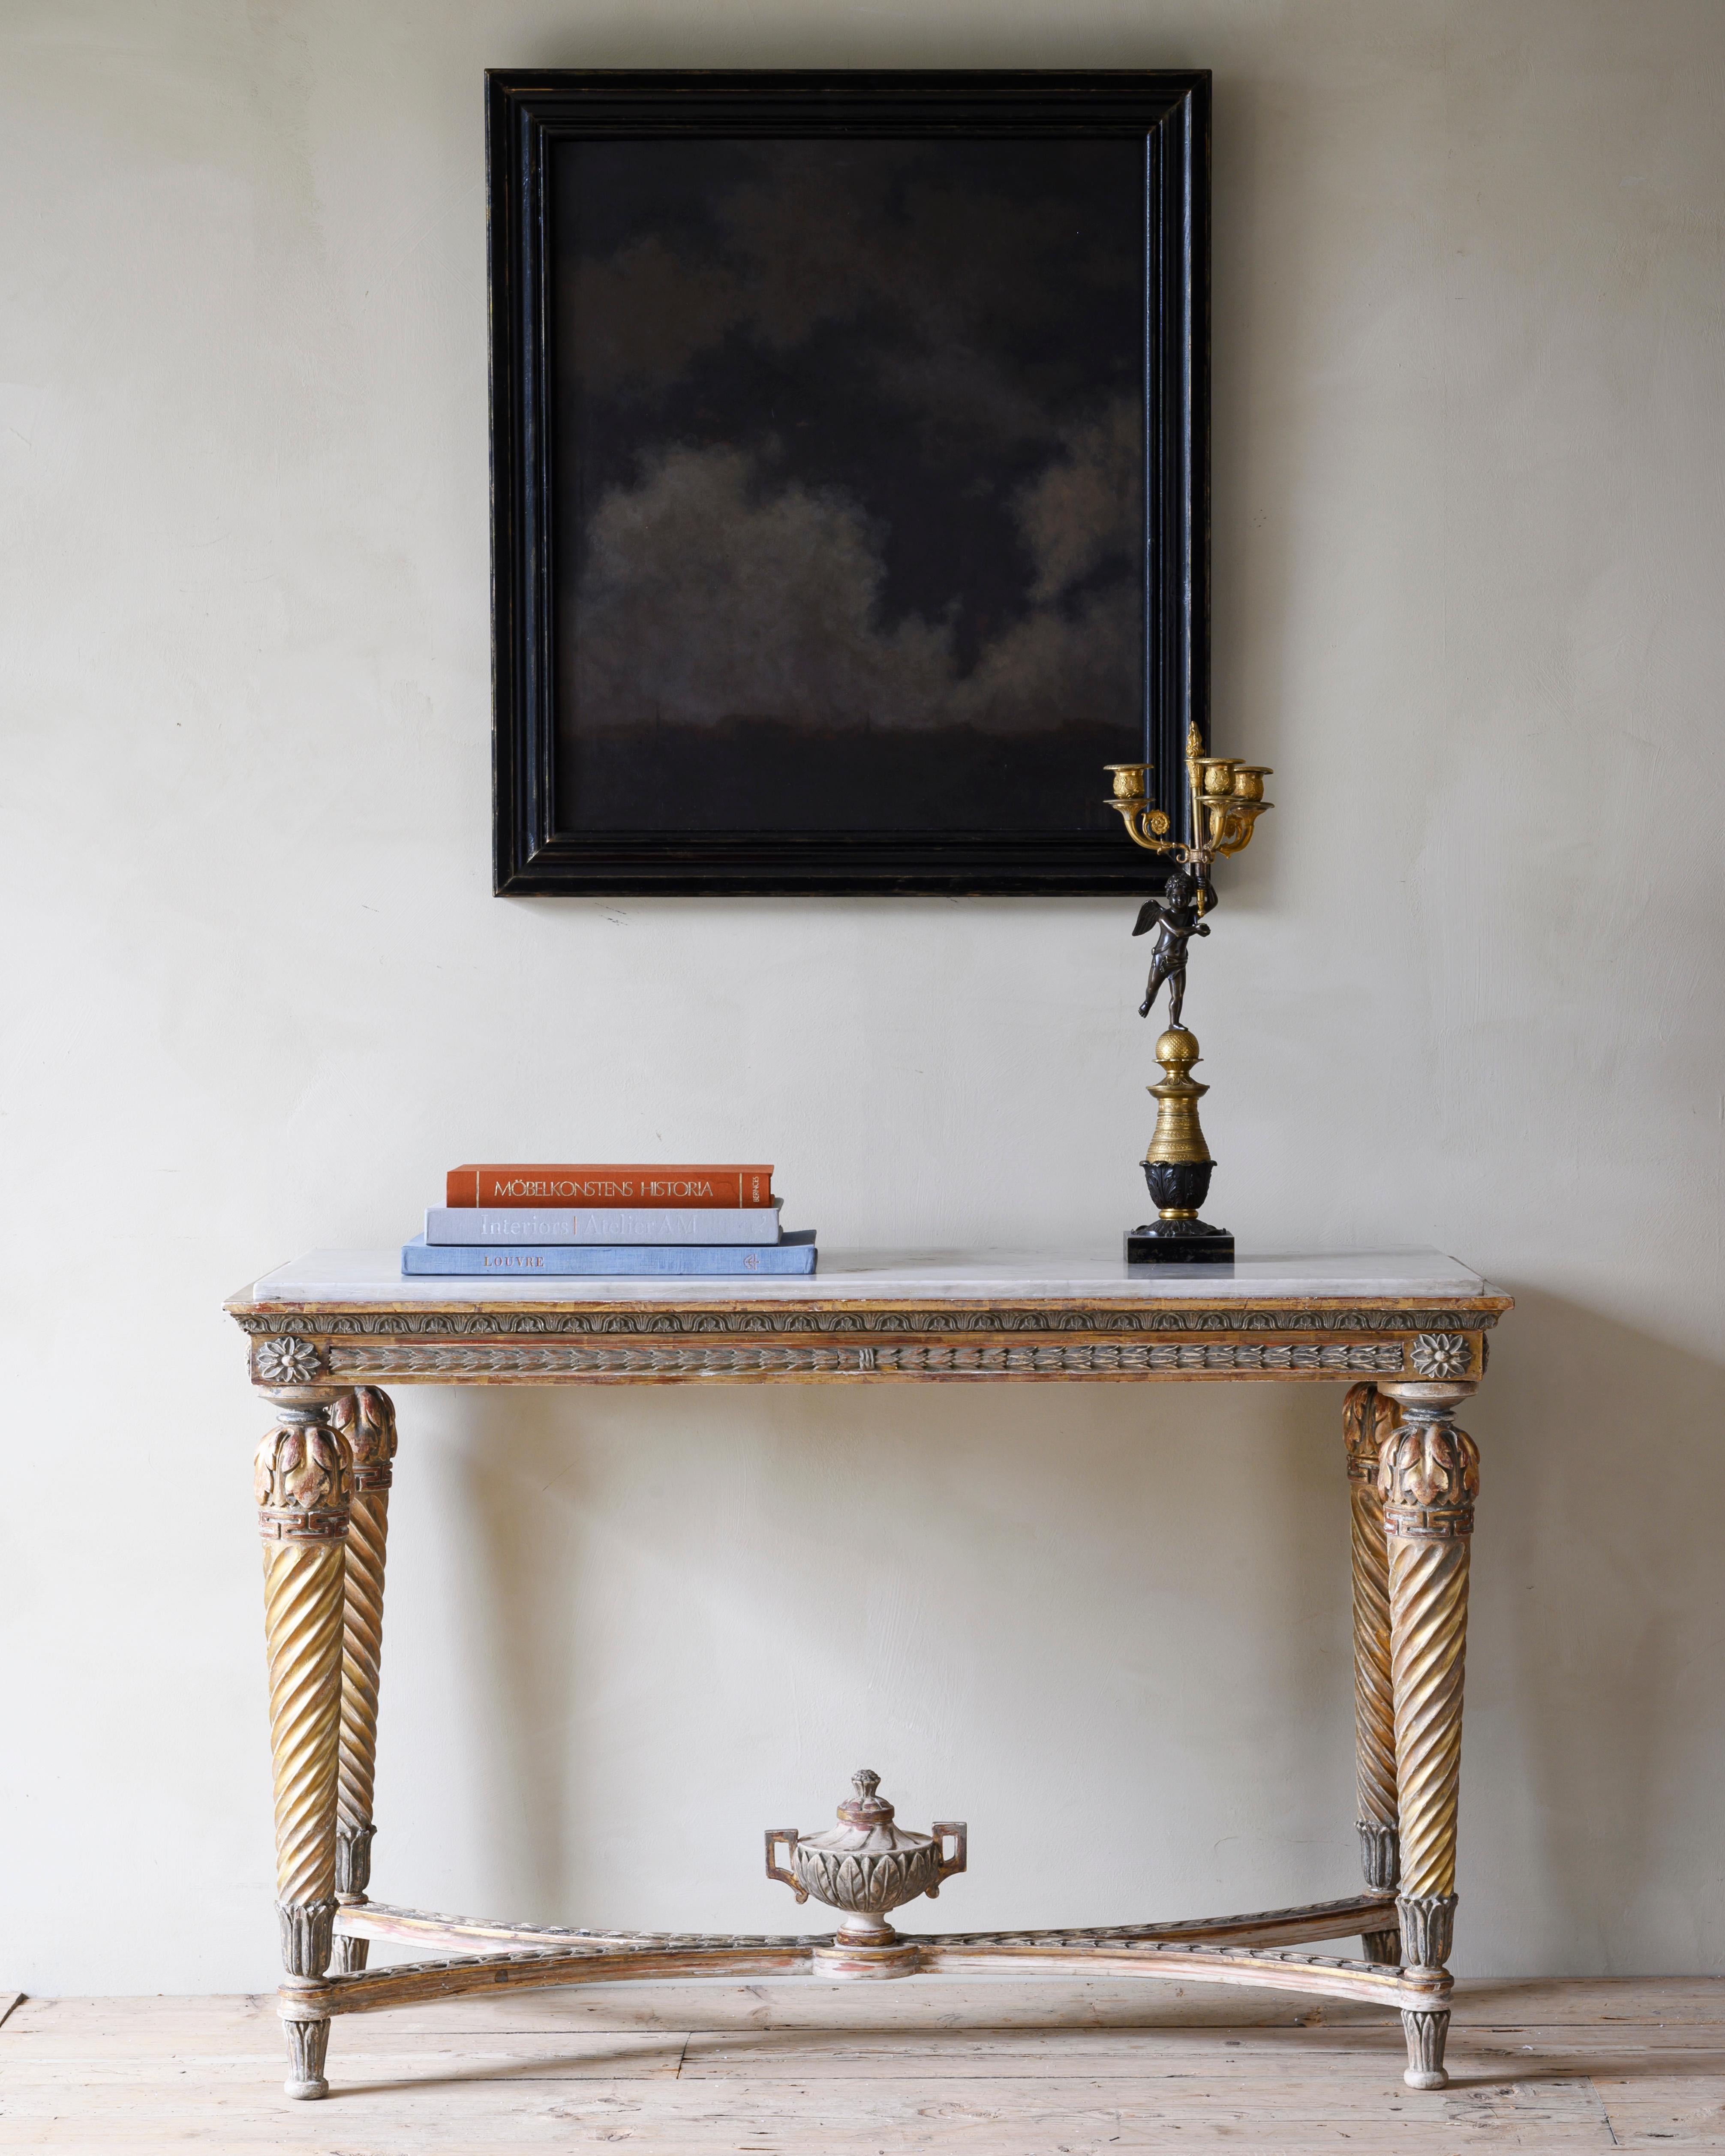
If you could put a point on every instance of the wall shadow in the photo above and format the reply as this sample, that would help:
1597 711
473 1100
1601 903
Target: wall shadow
1136 1600
1593 1658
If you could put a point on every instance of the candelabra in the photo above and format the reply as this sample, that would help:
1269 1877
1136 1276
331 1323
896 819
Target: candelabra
1226 800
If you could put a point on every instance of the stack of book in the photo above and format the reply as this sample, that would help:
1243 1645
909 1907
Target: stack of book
508 1218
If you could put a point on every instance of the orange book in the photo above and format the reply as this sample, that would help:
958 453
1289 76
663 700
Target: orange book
512 1184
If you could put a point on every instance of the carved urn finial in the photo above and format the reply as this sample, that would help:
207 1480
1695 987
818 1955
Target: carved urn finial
865 1865
865 1809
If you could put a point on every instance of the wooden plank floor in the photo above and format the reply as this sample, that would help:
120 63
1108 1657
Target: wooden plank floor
799 2069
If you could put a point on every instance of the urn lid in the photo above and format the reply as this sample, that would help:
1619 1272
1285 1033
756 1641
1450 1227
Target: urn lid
865 1822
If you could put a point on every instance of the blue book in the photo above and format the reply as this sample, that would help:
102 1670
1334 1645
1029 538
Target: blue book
794 1253
471 1225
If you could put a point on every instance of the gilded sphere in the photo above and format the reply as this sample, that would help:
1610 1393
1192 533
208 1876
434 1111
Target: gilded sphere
1176 1045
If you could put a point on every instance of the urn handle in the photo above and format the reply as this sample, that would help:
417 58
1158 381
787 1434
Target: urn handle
953 1831
787 1836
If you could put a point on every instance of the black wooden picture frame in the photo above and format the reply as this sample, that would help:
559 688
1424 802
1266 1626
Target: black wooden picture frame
528 115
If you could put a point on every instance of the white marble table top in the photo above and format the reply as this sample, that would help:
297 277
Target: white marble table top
346 1278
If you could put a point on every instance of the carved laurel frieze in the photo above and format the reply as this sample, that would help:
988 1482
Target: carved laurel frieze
1094 1359
495 1324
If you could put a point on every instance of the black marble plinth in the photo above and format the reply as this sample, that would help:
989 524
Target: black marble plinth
1179 1243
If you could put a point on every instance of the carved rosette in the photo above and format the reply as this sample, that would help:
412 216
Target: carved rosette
1441 1354
303 1484
287 1360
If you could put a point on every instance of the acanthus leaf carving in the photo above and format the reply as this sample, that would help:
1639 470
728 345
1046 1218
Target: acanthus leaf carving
1429 1476
302 1476
366 1417
1367 1417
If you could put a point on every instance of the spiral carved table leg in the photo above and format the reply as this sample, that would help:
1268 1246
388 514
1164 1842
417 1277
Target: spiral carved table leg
304 1484
1428 1478
1368 1419
367 1419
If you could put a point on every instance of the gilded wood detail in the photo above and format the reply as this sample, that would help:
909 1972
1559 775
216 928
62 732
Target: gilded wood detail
1098 1358
1313 1920
304 1486
1428 1479
413 1982
302 1617
367 1419
1427 1587
1430 1475
1368 1419
956 1322
323 1476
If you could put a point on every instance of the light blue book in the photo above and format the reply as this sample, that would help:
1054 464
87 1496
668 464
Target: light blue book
792 1254
471 1225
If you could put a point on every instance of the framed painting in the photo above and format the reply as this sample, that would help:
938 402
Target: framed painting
849 473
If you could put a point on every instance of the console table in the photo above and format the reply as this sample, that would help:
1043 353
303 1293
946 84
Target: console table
1408 1328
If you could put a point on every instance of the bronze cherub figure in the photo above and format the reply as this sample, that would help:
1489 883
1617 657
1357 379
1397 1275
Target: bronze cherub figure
1177 916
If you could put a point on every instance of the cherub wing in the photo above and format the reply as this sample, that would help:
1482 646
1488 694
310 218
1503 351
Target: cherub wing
1149 916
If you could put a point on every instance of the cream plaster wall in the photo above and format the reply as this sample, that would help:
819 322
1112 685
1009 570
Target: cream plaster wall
1466 990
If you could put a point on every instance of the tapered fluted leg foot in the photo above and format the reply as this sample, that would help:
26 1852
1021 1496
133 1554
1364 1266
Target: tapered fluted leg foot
308 2044
1427 2035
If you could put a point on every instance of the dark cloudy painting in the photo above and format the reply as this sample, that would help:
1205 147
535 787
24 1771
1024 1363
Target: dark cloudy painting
847 480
